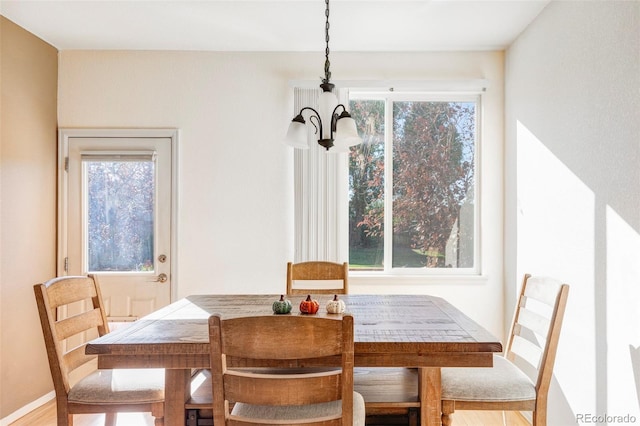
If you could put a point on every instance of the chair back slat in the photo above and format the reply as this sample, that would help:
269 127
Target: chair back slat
282 339
247 338
66 290
527 351
543 289
76 358
317 277
533 321
283 389
73 325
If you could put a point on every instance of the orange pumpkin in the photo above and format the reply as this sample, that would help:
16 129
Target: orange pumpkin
309 306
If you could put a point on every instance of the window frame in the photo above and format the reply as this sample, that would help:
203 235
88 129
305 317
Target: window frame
390 96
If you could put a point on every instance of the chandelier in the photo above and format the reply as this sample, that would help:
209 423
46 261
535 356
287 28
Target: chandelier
332 122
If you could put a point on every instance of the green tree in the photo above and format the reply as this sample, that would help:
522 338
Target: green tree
120 215
366 176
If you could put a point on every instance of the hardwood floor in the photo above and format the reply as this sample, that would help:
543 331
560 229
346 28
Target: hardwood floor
46 416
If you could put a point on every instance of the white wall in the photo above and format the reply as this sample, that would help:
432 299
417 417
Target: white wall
235 178
572 196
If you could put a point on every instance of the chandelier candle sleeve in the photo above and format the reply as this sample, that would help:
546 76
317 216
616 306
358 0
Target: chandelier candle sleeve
332 122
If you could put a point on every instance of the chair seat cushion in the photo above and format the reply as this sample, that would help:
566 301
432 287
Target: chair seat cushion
132 386
328 409
503 382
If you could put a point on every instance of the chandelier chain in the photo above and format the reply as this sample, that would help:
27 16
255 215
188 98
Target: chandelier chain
327 64
346 132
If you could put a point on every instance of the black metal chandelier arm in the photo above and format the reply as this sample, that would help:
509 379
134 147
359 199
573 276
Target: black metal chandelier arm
318 121
335 110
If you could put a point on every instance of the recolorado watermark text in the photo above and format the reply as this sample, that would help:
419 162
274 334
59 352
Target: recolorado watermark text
608 419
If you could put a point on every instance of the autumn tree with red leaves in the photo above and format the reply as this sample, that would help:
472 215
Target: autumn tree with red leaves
433 176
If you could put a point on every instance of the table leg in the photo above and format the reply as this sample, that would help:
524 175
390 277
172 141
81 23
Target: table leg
430 394
176 393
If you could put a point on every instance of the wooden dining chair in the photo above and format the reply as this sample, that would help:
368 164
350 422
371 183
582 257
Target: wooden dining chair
389 393
289 391
317 277
519 380
71 311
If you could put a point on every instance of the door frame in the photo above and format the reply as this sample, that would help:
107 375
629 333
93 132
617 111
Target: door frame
64 134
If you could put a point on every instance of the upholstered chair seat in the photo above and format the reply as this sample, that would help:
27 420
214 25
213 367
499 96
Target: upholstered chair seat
119 387
503 382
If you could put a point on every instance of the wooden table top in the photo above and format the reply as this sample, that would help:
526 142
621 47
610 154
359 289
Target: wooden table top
402 330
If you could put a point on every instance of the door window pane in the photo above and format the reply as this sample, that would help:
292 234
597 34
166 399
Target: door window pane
120 211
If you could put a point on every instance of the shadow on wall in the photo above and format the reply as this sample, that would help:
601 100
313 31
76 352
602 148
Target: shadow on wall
635 362
558 404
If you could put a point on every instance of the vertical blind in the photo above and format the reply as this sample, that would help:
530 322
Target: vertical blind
321 192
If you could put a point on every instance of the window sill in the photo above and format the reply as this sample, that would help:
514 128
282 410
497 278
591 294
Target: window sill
407 279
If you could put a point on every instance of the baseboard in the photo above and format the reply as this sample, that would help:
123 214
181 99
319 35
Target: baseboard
27 409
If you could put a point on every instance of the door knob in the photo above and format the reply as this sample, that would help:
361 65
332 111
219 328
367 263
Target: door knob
161 278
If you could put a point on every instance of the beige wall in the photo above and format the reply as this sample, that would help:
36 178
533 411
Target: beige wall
29 73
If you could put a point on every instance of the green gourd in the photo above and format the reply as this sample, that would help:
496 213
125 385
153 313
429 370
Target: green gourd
281 306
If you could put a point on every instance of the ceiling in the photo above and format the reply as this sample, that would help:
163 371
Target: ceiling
268 25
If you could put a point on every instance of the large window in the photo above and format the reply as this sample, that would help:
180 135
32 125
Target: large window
413 204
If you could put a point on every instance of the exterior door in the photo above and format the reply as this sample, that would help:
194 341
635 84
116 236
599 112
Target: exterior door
116 207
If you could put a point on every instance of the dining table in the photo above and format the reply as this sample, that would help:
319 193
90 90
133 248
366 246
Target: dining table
418 331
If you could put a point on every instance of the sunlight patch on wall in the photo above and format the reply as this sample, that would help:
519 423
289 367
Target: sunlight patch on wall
556 238
623 316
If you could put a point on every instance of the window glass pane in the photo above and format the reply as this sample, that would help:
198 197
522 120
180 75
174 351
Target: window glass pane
366 186
120 203
433 184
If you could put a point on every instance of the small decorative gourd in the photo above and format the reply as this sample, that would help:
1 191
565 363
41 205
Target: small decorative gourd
335 306
309 306
281 306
